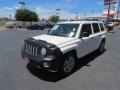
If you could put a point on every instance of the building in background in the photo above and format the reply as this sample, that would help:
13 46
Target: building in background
110 8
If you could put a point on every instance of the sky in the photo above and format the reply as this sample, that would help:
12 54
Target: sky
46 8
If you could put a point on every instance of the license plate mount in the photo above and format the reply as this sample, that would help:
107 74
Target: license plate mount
26 59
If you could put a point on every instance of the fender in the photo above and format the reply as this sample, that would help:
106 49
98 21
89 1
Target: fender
103 37
69 48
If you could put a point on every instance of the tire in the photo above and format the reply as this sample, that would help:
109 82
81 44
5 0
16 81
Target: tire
68 64
101 48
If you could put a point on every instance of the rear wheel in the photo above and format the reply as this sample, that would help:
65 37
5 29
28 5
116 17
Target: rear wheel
101 49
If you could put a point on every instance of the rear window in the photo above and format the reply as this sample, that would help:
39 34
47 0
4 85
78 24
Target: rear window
96 27
101 26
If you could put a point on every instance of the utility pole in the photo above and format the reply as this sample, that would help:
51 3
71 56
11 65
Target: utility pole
118 9
109 6
92 11
76 16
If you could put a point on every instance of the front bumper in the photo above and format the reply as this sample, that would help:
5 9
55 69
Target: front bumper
46 63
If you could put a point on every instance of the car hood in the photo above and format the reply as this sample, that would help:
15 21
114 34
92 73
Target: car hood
56 40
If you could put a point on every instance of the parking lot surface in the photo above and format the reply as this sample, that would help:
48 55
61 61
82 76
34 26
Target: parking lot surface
93 72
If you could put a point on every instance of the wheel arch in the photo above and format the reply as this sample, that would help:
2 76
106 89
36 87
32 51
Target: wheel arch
103 40
73 51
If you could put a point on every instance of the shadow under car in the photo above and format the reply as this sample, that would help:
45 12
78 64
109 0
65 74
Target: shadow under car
54 77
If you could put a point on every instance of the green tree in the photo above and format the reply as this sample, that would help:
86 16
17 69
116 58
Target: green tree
33 16
26 15
54 18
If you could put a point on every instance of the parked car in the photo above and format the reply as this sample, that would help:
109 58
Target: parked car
10 24
49 26
60 48
110 26
36 27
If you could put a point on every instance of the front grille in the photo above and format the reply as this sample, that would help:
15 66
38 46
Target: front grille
32 50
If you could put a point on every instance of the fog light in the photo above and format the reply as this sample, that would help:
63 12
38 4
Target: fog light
47 59
46 64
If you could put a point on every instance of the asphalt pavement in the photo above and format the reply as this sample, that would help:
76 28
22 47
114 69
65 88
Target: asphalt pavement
93 72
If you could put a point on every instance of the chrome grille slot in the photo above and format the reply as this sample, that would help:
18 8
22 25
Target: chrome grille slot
30 49
36 51
33 51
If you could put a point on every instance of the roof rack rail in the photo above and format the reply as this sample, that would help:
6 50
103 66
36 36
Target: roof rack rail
89 20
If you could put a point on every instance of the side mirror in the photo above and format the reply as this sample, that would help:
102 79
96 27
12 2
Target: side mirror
85 34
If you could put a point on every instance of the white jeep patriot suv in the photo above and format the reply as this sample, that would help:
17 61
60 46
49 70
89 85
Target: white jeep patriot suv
60 48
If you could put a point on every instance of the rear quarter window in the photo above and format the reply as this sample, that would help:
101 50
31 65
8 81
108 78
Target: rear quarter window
96 27
101 26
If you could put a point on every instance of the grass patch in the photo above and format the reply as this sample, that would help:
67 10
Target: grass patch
2 27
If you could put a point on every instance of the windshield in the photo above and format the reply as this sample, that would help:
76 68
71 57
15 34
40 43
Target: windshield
64 30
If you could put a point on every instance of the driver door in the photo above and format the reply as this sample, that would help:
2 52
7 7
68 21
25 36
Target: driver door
86 42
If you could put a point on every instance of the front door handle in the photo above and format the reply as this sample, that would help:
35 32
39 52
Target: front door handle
91 38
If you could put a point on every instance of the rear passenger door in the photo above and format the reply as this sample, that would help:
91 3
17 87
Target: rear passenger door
96 36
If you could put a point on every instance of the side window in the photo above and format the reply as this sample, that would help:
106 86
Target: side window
86 28
101 26
95 27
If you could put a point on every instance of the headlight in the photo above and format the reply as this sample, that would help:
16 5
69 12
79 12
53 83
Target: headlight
43 51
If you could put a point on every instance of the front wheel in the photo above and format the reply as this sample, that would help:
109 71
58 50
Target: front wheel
68 64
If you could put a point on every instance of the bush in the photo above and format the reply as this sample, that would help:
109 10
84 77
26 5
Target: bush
54 18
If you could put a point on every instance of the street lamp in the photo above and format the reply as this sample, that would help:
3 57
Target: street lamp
10 16
58 12
22 5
